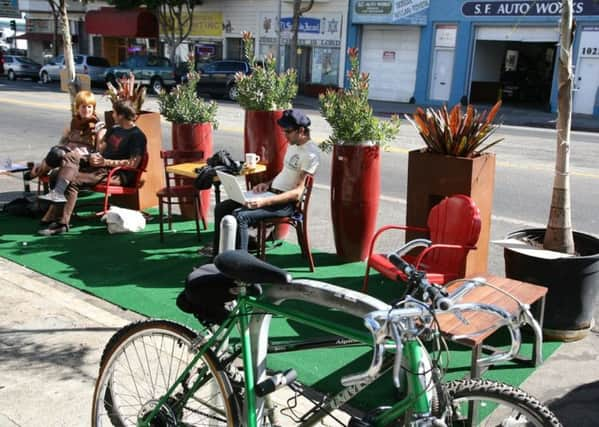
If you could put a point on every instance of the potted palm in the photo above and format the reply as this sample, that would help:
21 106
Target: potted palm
265 93
563 260
356 175
455 161
127 89
192 121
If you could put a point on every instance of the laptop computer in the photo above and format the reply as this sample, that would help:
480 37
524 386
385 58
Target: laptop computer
235 192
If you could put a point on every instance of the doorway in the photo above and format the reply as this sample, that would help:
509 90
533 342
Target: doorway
519 73
442 74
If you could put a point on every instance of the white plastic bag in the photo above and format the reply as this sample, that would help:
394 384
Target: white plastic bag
121 220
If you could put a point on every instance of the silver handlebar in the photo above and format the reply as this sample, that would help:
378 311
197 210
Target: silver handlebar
383 324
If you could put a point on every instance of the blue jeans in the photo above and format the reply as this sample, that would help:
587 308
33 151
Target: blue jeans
246 218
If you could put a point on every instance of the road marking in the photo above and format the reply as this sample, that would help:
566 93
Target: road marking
500 218
319 137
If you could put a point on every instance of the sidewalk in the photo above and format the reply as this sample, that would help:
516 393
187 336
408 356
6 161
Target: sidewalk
509 115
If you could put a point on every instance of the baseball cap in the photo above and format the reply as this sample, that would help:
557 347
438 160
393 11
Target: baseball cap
294 119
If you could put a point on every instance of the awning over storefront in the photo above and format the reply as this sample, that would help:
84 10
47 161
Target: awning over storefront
111 22
44 37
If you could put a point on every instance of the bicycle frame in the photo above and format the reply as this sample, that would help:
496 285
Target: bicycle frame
253 315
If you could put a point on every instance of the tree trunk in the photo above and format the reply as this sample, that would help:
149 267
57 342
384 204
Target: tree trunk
298 11
69 60
558 236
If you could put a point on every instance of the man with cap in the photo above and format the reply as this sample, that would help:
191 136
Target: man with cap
302 158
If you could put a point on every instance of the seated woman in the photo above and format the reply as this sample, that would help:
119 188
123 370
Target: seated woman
123 145
83 135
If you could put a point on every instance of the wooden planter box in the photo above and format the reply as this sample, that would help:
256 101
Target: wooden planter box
153 179
431 177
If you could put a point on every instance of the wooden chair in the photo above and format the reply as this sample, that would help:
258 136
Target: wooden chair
298 220
110 190
453 227
175 192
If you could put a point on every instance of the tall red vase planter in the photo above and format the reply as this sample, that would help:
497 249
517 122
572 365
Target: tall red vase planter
263 136
264 94
356 142
193 137
192 119
355 194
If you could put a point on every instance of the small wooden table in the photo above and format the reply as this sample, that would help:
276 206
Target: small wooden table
189 170
526 293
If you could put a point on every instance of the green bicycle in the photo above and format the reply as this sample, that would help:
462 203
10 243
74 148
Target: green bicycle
159 373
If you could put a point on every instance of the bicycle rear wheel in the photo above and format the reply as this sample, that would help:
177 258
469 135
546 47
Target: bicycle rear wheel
142 361
487 403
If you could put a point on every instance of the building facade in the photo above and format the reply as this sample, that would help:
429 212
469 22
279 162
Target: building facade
42 40
218 25
447 51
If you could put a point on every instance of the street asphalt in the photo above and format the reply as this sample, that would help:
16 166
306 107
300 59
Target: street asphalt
52 336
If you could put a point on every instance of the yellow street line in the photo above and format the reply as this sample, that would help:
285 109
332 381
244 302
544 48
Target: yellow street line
320 138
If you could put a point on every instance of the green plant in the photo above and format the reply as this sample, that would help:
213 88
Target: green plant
182 105
127 90
456 134
350 115
264 89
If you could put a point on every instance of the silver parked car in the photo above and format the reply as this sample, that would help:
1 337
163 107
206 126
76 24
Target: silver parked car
20 66
94 66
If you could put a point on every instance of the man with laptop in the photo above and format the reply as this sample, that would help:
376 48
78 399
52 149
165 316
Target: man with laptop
276 198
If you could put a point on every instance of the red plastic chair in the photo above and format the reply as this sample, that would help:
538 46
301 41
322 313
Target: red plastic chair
133 189
174 193
298 220
453 229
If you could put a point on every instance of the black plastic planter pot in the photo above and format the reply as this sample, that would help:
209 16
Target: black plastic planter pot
573 283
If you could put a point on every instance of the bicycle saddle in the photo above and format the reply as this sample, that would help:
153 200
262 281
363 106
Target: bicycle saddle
240 265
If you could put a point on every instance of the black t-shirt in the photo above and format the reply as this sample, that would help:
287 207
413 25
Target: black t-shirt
124 144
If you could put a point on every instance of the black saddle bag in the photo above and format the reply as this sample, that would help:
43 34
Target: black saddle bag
206 293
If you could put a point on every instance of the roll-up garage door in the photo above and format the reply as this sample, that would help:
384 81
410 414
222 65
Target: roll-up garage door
390 56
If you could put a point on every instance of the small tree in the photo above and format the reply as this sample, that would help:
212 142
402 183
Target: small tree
176 21
298 11
67 46
558 236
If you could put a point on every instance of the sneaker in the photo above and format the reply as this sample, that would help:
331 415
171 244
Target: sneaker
53 197
53 229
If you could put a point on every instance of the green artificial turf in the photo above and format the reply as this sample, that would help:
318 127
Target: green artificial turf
137 272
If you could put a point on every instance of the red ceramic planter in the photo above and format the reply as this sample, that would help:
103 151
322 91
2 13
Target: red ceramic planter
355 193
263 136
194 137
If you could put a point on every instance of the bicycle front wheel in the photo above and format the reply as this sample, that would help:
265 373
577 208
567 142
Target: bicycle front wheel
487 403
142 361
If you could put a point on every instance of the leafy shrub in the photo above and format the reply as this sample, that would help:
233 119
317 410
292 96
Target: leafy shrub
350 115
182 104
264 89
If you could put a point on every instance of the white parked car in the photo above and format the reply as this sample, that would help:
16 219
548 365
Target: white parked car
94 66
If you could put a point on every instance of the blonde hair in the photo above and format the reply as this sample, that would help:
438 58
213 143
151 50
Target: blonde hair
84 97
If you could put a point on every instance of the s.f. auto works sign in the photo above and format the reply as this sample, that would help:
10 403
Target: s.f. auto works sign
527 8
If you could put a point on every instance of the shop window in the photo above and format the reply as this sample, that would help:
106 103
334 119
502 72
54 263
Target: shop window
325 66
235 48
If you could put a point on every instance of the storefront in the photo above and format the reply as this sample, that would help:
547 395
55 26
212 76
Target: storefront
388 34
319 45
118 34
507 50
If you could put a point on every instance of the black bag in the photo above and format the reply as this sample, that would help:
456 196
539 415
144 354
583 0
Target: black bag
224 160
205 178
206 292
25 206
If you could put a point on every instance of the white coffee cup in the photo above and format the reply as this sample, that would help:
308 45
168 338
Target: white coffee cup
251 160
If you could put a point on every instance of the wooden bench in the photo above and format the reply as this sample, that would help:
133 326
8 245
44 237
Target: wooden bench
526 293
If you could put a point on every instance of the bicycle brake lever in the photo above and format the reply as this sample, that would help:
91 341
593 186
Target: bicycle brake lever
398 355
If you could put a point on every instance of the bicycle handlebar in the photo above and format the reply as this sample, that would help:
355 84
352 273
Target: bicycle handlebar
383 324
